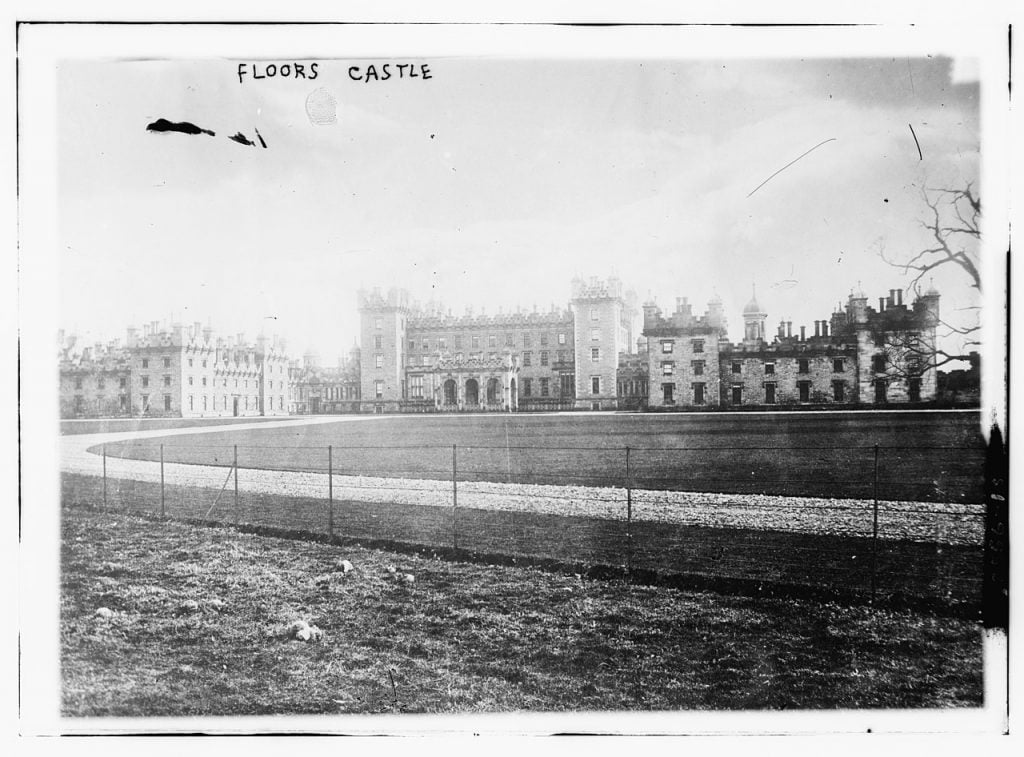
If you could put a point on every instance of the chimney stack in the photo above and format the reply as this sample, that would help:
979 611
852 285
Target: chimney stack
789 329
824 328
881 304
891 301
803 333
817 328
899 297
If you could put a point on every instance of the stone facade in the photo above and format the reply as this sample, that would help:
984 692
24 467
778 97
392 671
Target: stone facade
859 356
176 372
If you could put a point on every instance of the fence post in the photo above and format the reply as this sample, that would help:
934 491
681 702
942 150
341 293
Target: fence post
235 467
455 499
629 517
104 476
330 490
874 531
162 508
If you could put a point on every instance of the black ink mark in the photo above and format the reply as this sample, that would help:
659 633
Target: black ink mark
184 127
242 139
260 138
919 155
831 139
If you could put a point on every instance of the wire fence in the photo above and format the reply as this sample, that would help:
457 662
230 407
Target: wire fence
879 524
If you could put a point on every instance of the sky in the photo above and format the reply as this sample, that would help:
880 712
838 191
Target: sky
494 182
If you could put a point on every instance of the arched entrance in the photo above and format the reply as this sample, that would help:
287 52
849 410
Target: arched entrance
450 392
472 393
493 391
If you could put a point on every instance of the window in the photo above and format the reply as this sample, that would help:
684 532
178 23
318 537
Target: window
271 399
378 388
698 367
769 393
668 392
737 395
378 342
544 387
204 380
101 384
442 343
595 354
145 381
769 369
204 403
124 401
804 389
839 391
492 341
737 367
167 402
878 363
595 335
78 383
803 366
378 361
594 314
837 365
378 323
560 356
526 340
426 344
698 394
190 362
167 380
510 340
191 402
412 344
145 362
145 403
167 362
458 342
190 381
475 341
527 387
123 382
667 347
914 389
543 339
204 364
568 390
527 359
698 345
595 384
561 337
667 368
544 357
458 358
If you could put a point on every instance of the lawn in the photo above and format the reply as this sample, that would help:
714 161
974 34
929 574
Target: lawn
923 456
199 625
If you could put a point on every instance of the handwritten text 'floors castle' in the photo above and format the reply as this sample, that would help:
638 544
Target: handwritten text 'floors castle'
587 356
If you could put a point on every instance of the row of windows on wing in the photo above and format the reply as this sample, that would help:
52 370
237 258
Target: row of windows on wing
526 358
804 392
191 363
803 366
476 342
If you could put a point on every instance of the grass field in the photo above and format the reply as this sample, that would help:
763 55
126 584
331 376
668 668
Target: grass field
200 617
935 456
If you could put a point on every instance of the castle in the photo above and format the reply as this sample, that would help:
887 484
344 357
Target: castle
587 357
590 355
180 372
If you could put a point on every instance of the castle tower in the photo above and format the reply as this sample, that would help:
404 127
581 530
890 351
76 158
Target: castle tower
599 310
753 322
383 322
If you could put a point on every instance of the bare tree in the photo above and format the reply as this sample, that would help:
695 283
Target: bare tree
954 226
